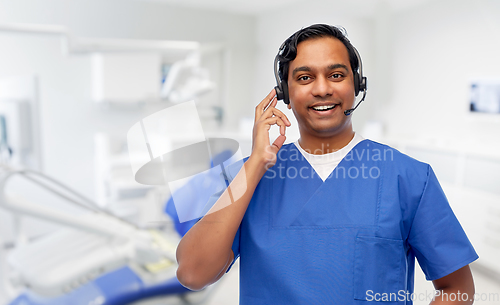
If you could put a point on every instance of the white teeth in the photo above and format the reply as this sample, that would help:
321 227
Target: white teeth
322 108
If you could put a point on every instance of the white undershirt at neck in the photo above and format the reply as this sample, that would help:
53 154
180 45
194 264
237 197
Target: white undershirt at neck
325 164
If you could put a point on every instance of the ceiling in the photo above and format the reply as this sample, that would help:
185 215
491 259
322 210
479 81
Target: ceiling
255 7
249 7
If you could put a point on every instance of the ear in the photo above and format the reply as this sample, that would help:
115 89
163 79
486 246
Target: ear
289 106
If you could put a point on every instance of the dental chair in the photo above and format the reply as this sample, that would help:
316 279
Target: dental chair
97 258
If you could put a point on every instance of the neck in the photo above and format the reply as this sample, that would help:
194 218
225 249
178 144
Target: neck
320 146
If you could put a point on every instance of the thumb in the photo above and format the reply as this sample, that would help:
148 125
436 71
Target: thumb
276 146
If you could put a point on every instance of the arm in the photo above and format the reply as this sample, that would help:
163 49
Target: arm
457 286
204 253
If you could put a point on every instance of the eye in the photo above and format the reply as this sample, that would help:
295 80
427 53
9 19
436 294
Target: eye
336 75
304 78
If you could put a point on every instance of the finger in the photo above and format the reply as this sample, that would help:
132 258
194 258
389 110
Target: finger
259 109
272 104
276 112
275 121
278 143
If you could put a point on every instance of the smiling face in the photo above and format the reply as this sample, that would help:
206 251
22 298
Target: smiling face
321 88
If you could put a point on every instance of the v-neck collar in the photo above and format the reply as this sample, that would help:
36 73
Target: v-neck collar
298 196
334 159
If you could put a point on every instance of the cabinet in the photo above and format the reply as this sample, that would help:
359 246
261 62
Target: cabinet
126 77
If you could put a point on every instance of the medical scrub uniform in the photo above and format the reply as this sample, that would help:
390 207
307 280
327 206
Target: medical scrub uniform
351 239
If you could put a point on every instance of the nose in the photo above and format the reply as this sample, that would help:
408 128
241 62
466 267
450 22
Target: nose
322 87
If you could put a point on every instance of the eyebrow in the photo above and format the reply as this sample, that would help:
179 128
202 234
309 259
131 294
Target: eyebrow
308 69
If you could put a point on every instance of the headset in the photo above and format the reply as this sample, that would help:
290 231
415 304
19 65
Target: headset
282 86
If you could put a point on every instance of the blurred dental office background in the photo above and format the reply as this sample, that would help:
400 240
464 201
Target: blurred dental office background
76 75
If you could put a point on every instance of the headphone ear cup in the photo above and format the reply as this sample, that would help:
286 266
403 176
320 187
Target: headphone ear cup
282 92
356 83
279 92
285 93
362 85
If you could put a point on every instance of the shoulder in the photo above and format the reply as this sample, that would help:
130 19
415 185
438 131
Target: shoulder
395 162
390 154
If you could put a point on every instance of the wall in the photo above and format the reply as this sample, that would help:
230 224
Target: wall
438 48
69 117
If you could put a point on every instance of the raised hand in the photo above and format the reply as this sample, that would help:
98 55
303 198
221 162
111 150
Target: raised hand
267 115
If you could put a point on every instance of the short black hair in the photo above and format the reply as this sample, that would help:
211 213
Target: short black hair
289 49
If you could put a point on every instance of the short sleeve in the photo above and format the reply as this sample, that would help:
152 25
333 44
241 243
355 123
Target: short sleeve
436 236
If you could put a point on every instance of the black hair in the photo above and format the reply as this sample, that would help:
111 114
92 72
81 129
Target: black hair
289 49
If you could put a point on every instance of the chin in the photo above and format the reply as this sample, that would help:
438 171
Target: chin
331 130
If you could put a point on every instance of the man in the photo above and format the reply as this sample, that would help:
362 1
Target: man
332 218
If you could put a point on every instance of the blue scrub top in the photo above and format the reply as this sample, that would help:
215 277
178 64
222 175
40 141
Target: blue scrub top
351 239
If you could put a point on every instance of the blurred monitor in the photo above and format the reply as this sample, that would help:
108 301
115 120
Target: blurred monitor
19 122
485 96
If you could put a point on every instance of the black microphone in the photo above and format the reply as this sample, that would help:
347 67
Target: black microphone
349 111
